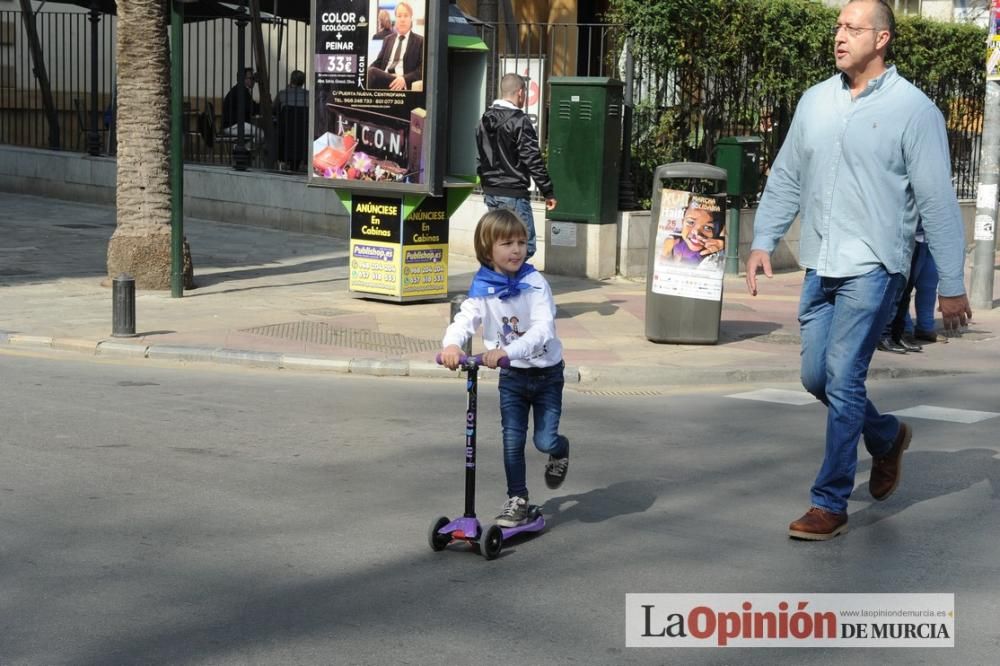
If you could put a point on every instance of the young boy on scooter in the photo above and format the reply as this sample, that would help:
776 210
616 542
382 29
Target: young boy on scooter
507 289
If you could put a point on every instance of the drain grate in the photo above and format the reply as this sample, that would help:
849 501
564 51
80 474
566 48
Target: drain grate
324 312
772 338
320 333
78 225
626 393
737 307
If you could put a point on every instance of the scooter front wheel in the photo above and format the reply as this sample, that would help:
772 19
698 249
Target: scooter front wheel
491 542
437 540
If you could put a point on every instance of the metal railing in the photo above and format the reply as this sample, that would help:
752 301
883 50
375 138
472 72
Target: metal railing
65 40
211 64
683 112
676 114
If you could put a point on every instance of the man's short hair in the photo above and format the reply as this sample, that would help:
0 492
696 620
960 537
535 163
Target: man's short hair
404 4
510 84
298 78
882 16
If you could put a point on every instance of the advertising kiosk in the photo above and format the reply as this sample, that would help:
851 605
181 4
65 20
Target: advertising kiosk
398 89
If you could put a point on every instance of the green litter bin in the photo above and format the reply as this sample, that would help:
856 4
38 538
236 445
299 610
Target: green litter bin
740 157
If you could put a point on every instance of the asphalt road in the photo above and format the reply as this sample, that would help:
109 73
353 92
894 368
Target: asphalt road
164 514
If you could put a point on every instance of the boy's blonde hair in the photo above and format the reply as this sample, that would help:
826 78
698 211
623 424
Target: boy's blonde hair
496 225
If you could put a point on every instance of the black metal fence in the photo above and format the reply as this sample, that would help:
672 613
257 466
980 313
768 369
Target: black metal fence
211 64
680 114
212 68
65 40
674 115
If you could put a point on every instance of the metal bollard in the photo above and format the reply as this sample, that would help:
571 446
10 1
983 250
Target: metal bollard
123 306
456 305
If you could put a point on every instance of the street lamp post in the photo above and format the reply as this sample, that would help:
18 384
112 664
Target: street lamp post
177 149
93 137
241 156
626 187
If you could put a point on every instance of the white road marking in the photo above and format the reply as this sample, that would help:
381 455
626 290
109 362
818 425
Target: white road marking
780 396
933 413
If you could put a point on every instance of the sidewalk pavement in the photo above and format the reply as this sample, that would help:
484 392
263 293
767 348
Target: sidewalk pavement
280 300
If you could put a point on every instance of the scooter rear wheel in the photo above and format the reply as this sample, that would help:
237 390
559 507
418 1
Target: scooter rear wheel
437 540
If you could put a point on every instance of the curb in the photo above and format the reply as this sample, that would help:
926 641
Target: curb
583 376
121 348
115 348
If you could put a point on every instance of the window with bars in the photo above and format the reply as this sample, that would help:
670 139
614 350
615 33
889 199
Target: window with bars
972 11
906 7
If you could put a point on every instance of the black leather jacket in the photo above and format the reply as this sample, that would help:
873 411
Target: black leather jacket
508 154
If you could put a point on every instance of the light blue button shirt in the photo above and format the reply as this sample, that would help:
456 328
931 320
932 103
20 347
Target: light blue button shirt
862 172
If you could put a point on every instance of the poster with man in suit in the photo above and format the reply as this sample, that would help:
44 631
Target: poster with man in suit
370 104
400 61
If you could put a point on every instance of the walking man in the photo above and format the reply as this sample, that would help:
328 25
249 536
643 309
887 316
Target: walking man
509 157
866 156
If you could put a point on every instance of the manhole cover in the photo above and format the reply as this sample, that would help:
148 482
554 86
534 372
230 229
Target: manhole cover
321 333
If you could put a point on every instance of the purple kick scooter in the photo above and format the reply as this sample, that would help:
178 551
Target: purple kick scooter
468 528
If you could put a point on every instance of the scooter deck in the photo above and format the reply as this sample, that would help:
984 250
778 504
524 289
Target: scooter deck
471 529
536 525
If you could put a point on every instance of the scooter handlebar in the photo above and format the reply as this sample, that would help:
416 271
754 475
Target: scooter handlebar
477 360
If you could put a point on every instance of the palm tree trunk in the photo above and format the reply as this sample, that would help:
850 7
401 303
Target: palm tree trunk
140 245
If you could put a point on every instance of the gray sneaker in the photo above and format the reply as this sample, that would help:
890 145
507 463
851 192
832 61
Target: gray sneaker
555 471
514 512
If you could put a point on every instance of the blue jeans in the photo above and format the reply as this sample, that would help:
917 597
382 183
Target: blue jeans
924 278
540 390
925 283
523 209
841 320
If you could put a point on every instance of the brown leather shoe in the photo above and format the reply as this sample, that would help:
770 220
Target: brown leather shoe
887 469
818 525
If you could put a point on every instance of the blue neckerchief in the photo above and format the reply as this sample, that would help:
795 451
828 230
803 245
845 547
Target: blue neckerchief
488 282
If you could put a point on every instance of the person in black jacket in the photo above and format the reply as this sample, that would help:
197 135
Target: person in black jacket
251 109
509 158
230 105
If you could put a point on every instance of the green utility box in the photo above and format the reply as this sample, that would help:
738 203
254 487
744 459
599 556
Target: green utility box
585 126
740 157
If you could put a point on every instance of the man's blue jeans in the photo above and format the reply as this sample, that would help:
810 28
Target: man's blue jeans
540 391
523 209
841 321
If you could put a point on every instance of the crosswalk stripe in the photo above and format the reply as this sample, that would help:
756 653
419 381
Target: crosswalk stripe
780 396
928 412
933 413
